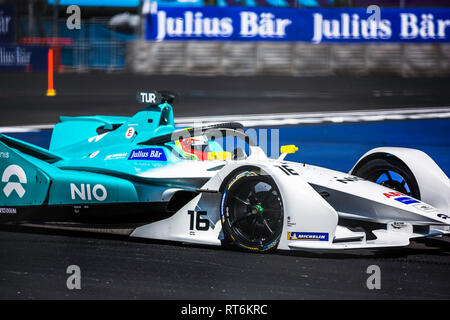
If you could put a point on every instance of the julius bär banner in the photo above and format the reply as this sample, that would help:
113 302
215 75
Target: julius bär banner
21 58
307 25
6 23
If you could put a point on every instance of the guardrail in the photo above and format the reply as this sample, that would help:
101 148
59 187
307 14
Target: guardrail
286 58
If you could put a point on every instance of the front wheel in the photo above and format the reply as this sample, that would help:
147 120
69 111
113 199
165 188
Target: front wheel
390 172
252 211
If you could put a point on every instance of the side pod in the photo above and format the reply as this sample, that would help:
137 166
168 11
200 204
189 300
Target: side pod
23 183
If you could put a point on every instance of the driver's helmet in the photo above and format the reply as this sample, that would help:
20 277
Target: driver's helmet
200 148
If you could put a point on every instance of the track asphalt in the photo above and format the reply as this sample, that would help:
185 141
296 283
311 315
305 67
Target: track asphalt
23 99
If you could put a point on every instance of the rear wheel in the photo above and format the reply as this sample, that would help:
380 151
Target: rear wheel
252 211
390 172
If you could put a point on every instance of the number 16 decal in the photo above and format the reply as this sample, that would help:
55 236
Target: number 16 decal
196 219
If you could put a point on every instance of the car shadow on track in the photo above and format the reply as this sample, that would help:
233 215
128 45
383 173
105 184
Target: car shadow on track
437 246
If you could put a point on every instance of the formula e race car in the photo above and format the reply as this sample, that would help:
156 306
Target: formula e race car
212 185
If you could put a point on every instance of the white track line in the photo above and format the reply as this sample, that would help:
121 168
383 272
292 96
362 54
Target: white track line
27 128
283 119
289 119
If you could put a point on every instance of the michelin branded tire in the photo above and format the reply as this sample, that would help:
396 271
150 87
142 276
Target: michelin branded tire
252 212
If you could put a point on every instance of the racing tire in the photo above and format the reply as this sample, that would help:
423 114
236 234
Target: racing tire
389 172
252 212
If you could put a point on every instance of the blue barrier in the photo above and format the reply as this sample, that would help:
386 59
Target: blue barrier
339 146
307 25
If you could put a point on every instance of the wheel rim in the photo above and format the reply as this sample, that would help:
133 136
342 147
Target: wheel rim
391 179
256 212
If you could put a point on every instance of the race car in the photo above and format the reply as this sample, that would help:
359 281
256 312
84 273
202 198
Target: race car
212 185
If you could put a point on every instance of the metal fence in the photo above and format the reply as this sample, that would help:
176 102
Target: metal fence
92 55
294 59
94 46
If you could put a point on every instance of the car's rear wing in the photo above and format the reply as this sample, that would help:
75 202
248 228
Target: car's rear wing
30 149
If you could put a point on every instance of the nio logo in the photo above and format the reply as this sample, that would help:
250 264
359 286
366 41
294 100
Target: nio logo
86 193
14 170
4 155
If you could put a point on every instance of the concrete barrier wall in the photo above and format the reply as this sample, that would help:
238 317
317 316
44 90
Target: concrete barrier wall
287 58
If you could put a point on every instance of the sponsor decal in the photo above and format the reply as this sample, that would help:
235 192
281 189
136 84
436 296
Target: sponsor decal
393 194
443 216
85 192
8 210
97 138
4 155
14 170
345 180
290 223
406 200
398 225
94 154
148 154
287 170
400 197
130 133
311 236
424 207
116 156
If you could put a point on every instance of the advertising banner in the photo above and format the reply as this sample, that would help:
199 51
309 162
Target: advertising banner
306 25
22 58
6 23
